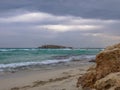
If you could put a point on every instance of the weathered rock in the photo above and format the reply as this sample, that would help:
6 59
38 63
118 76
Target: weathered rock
87 80
93 60
107 61
113 47
110 82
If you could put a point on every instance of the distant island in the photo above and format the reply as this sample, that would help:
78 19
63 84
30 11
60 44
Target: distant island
54 47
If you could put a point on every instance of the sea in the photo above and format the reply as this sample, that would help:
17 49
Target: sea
12 58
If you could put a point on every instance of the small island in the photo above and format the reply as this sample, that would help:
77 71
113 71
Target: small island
54 47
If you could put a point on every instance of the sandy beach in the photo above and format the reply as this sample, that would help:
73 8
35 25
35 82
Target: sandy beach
61 76
59 44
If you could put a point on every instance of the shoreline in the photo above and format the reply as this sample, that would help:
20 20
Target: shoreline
46 78
14 67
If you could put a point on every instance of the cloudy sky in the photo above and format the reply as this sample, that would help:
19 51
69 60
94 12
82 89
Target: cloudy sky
77 23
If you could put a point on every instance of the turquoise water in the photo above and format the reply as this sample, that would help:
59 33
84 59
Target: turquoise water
11 58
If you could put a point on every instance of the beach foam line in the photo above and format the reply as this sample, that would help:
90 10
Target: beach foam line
83 57
28 49
31 49
21 64
6 50
45 62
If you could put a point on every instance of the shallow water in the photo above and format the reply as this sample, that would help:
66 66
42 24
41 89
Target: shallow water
13 57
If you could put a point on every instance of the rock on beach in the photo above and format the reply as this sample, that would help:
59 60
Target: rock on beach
106 73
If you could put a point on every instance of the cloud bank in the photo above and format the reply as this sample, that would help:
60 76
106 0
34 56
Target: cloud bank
85 24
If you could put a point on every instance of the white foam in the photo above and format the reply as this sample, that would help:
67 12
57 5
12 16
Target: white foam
83 57
45 62
14 65
90 56
5 50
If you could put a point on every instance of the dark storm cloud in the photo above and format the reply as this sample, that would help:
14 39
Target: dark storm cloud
38 28
102 9
77 23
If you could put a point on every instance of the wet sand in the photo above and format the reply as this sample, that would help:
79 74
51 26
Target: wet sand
61 76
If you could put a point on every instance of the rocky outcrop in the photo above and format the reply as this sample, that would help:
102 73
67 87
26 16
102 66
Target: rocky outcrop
93 60
110 82
53 47
113 47
107 62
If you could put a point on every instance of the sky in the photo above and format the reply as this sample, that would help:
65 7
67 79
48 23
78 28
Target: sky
76 23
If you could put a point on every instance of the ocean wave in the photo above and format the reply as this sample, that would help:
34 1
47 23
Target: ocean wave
45 62
15 65
6 50
31 49
83 57
51 50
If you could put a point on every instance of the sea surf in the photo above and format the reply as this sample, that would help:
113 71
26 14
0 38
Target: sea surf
11 58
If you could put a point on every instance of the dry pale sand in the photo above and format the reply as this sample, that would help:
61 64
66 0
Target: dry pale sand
63 78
